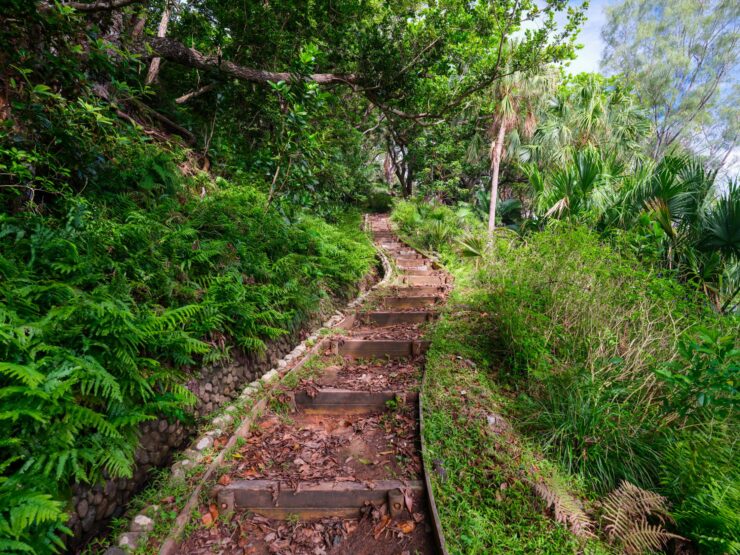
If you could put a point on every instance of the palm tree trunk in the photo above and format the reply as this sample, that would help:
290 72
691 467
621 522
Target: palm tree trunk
496 150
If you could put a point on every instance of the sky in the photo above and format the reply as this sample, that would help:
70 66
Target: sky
589 56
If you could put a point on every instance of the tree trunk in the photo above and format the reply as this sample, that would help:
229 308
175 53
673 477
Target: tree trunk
409 185
496 150
151 76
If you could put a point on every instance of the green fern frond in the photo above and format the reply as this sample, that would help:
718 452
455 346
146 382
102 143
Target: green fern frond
28 375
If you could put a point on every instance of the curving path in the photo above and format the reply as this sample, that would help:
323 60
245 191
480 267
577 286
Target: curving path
334 464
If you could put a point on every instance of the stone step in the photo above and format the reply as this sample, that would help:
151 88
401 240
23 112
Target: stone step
273 499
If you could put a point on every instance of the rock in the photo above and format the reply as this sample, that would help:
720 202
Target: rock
271 375
129 541
110 490
82 507
208 386
142 523
114 551
89 520
177 473
204 443
223 420
230 408
162 426
110 510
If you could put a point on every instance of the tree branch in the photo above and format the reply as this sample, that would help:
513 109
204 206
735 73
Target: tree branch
177 52
194 94
97 6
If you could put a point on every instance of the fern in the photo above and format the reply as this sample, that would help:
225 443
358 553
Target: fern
567 509
627 510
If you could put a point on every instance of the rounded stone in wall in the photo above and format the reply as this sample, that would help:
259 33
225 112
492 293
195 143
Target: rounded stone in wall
82 508
89 520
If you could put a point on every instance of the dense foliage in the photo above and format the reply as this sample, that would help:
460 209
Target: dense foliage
619 373
180 180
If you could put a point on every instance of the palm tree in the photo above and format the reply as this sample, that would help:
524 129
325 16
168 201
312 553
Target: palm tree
518 99
588 112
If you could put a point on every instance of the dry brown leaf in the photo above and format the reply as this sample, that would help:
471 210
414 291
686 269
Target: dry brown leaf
407 526
381 526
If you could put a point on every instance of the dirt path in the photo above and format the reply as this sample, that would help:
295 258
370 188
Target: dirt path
334 466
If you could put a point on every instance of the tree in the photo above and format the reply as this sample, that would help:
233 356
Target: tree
588 111
517 99
679 55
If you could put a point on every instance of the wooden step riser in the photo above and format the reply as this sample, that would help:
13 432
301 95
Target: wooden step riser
408 253
362 348
400 303
434 281
392 318
416 291
343 402
342 499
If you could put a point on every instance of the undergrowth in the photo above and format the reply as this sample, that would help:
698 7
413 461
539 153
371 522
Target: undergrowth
619 374
484 477
108 302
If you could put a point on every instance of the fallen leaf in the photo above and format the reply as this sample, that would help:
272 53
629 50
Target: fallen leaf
407 526
408 498
207 519
213 510
384 522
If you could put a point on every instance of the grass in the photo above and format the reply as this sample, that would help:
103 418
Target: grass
482 481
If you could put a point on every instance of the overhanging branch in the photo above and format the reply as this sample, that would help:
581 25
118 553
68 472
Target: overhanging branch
98 6
177 52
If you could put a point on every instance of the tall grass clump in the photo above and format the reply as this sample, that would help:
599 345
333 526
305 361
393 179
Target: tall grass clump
621 374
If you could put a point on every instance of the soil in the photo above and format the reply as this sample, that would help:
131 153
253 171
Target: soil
395 332
375 533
